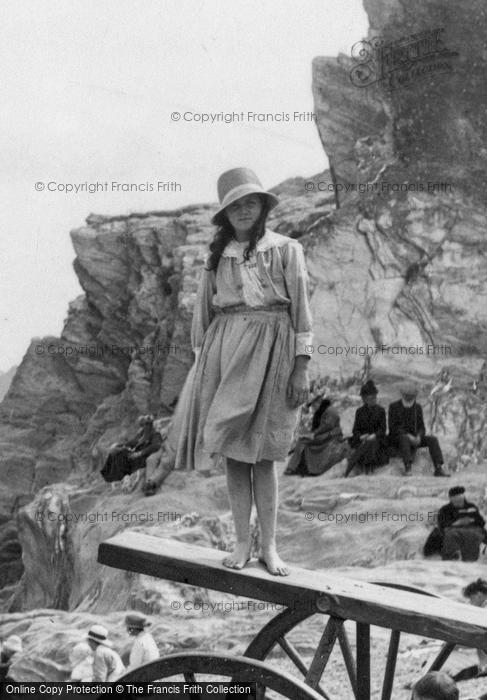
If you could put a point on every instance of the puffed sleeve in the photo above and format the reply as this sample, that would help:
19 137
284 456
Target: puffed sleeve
203 311
296 277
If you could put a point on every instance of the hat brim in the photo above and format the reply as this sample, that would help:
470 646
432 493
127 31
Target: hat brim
243 191
105 642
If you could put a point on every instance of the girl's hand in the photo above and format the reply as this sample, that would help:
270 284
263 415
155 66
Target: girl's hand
298 385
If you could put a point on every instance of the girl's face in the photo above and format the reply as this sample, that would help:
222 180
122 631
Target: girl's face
243 214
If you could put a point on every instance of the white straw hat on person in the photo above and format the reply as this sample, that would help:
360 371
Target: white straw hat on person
98 633
236 183
12 643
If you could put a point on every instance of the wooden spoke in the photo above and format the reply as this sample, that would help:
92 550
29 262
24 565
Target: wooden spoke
323 651
293 654
390 665
363 661
443 654
348 657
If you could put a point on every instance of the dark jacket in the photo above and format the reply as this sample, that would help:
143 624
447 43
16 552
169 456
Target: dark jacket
118 464
448 514
404 420
144 446
369 419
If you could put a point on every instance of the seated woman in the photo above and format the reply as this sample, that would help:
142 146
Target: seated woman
316 453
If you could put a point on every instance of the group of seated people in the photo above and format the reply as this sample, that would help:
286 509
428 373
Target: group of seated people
369 445
146 457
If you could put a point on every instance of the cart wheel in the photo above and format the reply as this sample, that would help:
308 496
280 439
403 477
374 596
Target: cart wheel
199 667
274 636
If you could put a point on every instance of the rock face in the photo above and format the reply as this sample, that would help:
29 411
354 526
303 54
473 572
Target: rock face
398 287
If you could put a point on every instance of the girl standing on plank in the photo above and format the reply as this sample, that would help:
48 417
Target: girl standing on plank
251 335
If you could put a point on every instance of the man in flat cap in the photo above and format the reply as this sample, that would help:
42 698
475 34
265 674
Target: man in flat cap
461 526
407 432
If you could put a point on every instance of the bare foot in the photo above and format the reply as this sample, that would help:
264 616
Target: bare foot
239 557
273 562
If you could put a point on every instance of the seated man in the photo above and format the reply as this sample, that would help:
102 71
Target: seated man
461 526
407 432
436 685
125 459
368 439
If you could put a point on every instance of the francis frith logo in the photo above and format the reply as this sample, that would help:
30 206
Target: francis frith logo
397 63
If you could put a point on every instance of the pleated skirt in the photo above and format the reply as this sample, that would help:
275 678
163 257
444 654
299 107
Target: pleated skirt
233 403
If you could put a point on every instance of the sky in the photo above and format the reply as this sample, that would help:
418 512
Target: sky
89 92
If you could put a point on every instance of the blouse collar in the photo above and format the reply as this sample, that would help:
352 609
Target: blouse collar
234 249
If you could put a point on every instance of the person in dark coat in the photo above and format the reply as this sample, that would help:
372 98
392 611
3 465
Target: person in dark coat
316 453
128 457
407 432
461 526
368 439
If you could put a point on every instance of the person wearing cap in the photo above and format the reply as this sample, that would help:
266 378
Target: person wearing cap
81 660
435 685
368 439
11 646
316 453
251 335
144 649
461 527
407 432
107 664
127 458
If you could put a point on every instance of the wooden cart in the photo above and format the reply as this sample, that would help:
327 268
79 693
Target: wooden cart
303 593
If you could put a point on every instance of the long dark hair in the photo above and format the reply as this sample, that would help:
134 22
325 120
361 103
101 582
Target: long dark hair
478 586
225 232
326 403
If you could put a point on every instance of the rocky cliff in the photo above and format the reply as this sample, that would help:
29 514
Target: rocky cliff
398 288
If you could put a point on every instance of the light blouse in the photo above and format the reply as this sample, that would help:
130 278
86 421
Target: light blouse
274 274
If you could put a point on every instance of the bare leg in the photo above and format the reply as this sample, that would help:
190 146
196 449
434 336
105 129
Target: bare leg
265 495
239 484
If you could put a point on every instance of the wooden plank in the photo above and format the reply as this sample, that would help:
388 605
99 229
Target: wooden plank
437 618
